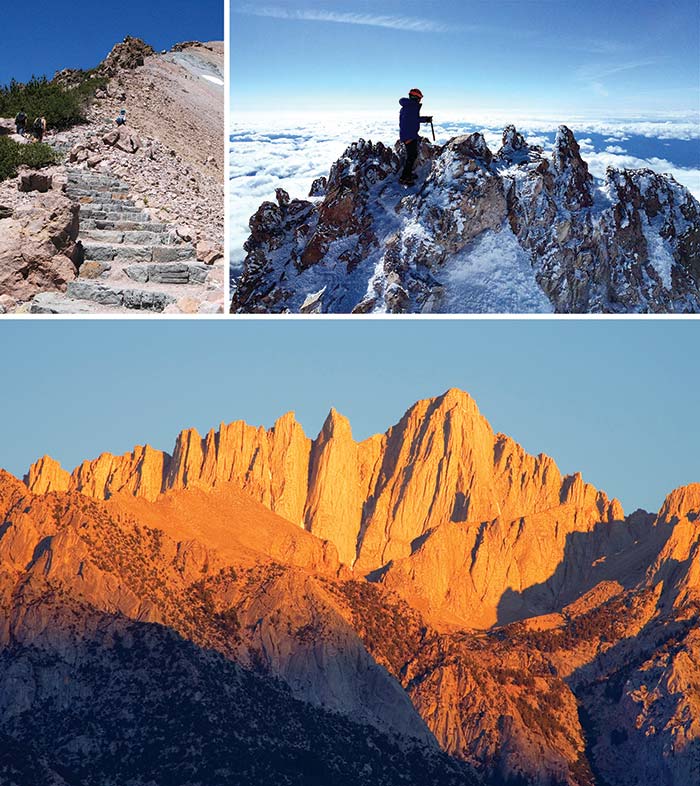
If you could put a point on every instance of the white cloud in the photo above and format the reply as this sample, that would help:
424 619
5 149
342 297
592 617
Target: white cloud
266 155
598 162
614 149
407 23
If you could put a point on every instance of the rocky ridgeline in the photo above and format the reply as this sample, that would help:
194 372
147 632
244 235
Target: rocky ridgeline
629 244
388 516
589 664
125 55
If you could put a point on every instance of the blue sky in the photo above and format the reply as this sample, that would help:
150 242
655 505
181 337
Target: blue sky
41 37
593 57
615 399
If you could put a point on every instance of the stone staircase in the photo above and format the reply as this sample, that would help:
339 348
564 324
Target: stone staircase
130 262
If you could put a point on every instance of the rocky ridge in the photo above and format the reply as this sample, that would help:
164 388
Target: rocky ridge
511 231
583 672
438 483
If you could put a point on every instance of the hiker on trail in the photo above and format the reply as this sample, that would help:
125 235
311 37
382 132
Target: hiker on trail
121 118
409 125
39 128
21 122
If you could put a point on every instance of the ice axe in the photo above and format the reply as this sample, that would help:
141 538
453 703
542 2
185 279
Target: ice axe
431 127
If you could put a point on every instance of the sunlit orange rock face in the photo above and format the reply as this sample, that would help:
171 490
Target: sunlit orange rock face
449 513
435 582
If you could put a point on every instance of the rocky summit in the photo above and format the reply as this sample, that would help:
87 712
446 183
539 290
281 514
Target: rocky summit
510 231
431 605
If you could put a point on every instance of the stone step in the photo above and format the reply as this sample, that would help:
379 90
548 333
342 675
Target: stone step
130 237
86 176
89 224
59 303
98 188
111 207
169 273
99 197
108 204
142 298
126 214
78 189
107 252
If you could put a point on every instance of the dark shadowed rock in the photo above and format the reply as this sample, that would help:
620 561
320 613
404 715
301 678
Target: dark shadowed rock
34 181
318 187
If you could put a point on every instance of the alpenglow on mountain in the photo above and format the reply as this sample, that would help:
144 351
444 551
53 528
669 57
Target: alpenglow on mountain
432 605
514 231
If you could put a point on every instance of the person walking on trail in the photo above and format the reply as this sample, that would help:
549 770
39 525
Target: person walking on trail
39 128
409 126
121 118
21 122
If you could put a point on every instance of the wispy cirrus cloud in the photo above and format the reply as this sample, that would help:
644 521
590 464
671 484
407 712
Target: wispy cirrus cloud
597 73
408 23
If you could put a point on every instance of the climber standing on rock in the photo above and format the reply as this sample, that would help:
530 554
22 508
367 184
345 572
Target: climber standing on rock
409 126
121 118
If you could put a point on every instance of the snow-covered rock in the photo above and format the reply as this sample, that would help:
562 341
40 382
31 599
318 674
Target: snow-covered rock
516 231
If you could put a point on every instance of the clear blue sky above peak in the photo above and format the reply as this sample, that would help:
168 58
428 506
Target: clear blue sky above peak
542 56
41 37
617 400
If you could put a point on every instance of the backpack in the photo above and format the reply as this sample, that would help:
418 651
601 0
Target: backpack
37 124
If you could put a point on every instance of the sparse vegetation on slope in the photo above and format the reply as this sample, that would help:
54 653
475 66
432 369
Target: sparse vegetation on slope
14 155
62 106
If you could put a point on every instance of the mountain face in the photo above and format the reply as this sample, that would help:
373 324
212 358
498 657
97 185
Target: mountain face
440 481
430 605
515 231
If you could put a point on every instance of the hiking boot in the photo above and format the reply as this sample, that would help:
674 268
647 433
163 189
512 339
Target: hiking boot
407 181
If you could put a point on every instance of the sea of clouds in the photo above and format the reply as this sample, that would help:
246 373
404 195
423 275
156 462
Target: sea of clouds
269 152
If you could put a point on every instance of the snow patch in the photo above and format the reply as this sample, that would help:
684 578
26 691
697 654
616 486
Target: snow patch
493 274
660 257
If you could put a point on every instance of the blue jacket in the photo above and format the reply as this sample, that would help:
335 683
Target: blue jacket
410 119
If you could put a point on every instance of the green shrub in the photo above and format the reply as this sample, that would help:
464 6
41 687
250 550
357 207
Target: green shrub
13 154
61 106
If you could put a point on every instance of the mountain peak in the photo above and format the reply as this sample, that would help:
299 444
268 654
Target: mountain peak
128 54
456 397
46 474
336 425
681 502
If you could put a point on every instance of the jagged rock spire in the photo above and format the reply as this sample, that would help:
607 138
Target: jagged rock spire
573 179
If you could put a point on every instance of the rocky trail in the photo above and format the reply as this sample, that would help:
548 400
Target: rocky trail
130 261
130 218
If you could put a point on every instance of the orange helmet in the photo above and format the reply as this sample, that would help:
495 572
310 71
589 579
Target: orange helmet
415 93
